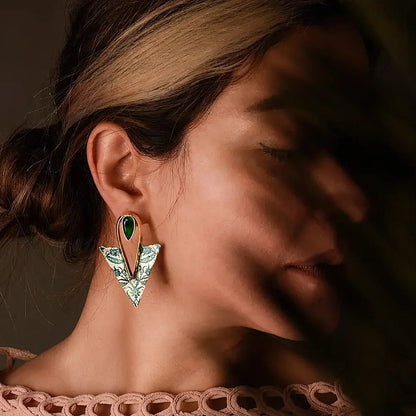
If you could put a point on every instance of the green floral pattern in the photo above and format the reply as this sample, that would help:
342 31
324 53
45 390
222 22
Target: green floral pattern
133 287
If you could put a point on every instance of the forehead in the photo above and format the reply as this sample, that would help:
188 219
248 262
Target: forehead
337 39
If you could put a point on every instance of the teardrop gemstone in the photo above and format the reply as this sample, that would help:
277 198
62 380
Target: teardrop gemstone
128 226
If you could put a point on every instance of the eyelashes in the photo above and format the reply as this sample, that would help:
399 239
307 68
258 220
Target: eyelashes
282 155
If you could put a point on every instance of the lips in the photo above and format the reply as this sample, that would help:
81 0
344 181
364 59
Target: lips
314 270
321 270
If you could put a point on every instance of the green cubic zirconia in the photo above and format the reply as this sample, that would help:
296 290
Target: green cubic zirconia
128 226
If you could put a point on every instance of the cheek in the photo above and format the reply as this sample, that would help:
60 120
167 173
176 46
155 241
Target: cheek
233 226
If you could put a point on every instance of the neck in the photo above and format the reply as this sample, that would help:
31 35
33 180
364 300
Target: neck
167 344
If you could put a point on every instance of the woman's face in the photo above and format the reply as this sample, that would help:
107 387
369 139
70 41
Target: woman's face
237 223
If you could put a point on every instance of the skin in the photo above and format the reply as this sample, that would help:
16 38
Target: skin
229 234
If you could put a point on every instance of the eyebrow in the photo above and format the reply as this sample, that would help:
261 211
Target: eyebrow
270 103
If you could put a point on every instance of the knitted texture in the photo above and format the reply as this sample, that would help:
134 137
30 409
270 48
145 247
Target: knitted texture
317 399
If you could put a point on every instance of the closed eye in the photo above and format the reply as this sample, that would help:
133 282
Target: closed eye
280 154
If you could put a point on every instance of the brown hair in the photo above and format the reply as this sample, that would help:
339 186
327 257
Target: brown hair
153 67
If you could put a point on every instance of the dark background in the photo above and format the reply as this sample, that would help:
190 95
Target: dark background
32 314
32 273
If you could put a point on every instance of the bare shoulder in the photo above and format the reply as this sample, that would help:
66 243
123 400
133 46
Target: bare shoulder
40 373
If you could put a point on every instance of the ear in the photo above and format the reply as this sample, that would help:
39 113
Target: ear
117 169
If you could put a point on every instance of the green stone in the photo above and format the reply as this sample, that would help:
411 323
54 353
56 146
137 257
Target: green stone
128 226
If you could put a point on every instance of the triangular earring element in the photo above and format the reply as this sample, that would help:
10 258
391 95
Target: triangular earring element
132 283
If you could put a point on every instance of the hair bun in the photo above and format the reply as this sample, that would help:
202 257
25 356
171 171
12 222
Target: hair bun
28 181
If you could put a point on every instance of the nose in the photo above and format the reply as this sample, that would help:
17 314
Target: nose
339 186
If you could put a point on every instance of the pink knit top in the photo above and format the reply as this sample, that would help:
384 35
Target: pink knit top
317 399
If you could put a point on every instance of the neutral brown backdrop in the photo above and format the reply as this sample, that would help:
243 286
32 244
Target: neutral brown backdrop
32 273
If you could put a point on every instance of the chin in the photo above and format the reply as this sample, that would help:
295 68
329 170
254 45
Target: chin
328 320
319 303
323 312
315 299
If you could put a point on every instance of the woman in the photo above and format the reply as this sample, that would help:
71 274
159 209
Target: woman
170 142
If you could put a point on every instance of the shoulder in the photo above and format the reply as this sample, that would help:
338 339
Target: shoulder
38 372
12 375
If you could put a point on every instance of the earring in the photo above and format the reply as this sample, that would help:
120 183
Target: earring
132 283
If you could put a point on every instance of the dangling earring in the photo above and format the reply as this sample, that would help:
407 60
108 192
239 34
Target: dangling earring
132 283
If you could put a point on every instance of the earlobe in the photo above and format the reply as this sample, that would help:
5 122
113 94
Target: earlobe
112 165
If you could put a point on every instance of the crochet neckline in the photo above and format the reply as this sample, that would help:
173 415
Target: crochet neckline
318 398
